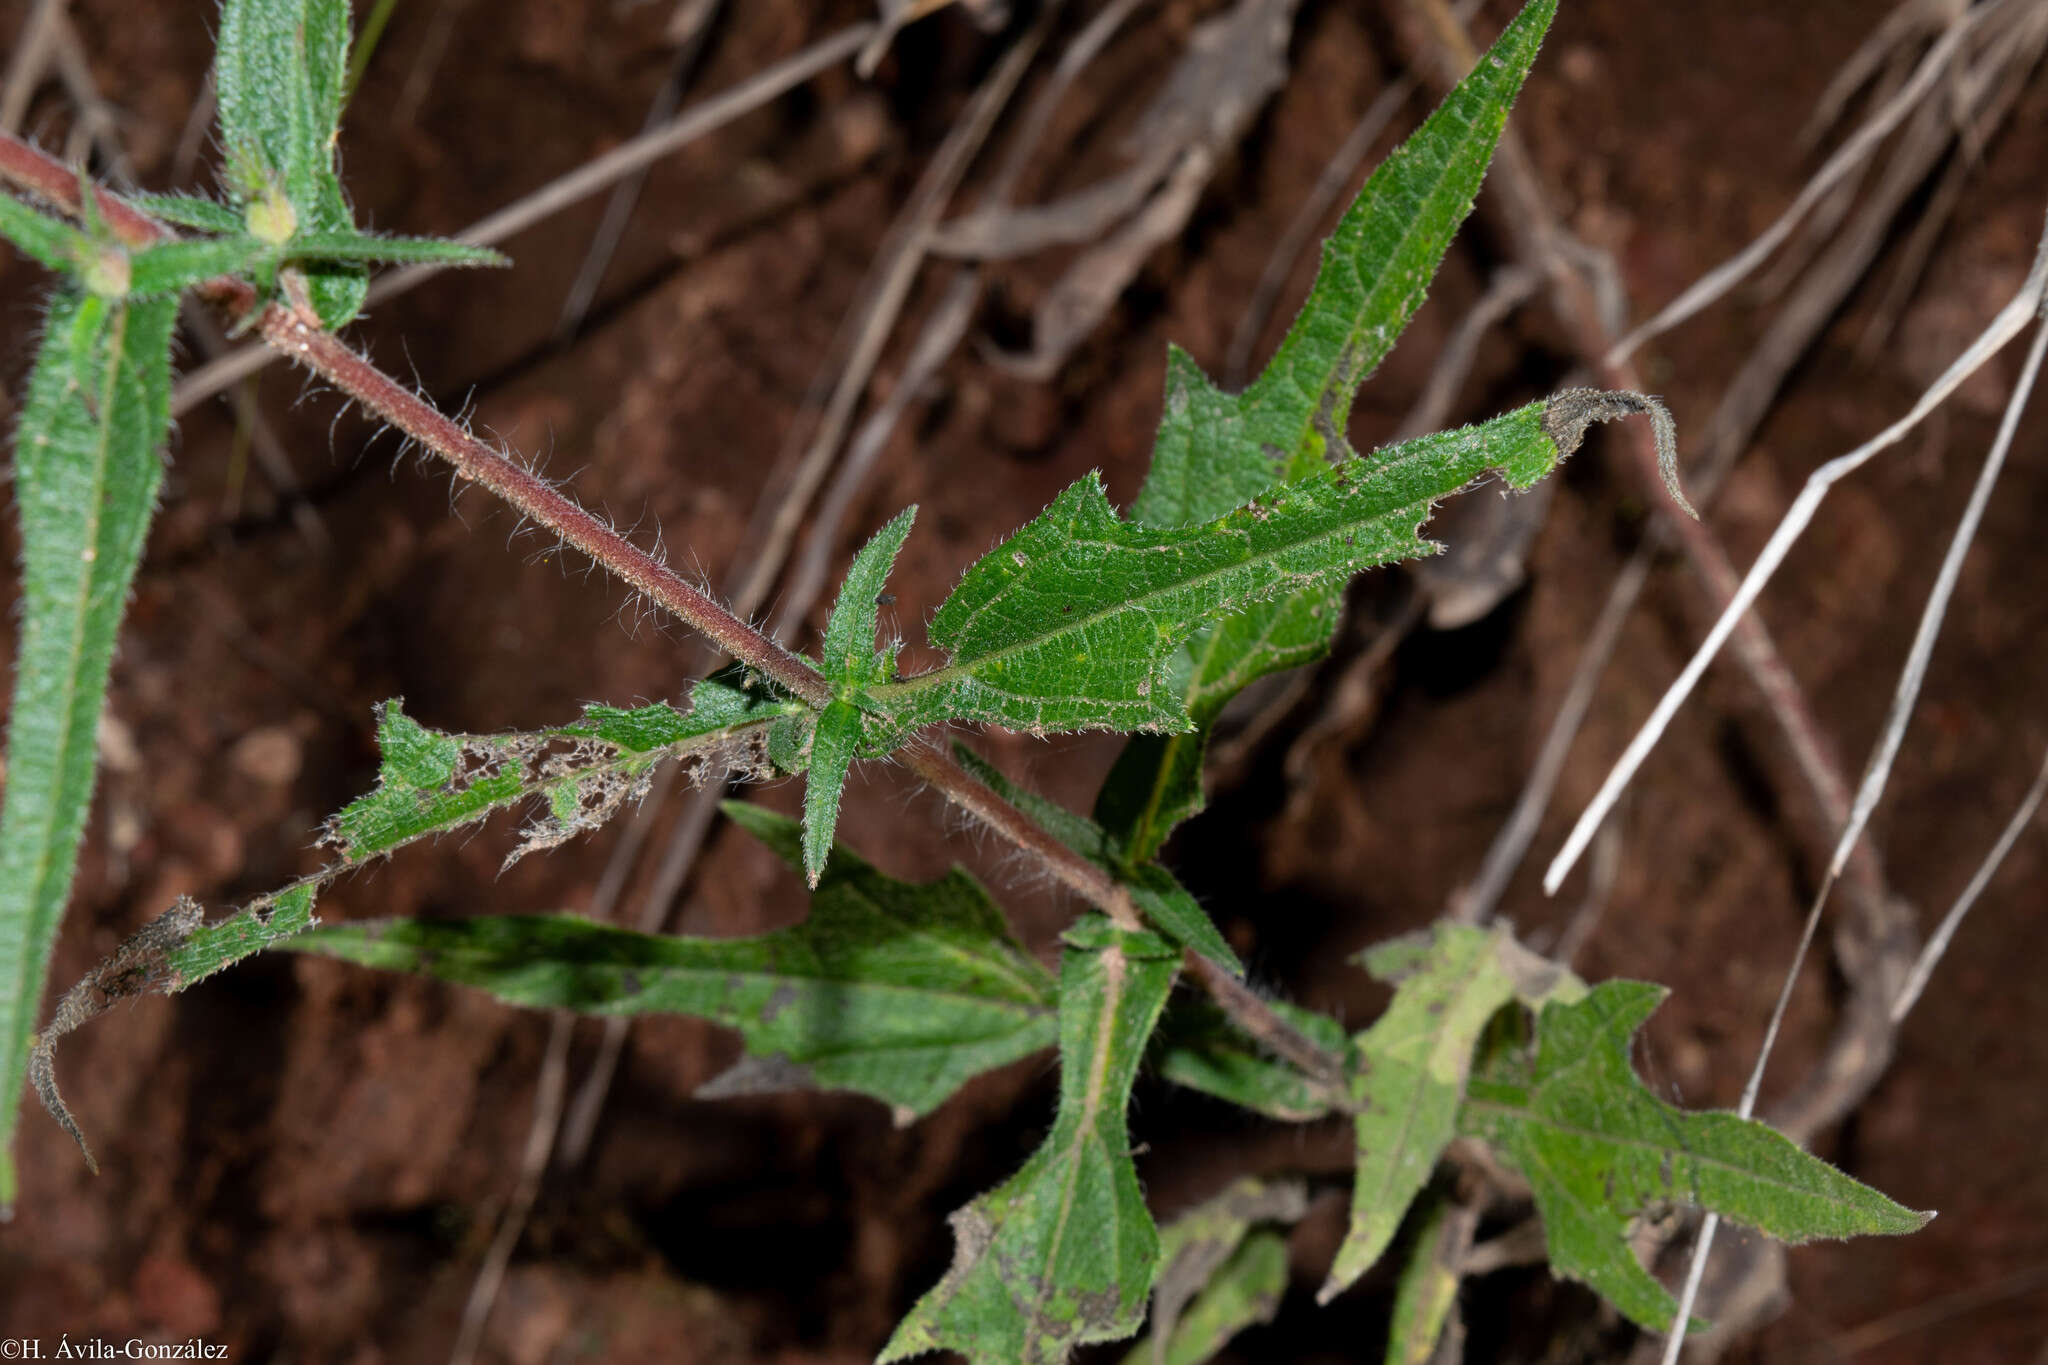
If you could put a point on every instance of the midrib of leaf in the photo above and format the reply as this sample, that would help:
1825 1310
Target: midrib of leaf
48 794
1383 464
1116 970
1528 1115
1026 1006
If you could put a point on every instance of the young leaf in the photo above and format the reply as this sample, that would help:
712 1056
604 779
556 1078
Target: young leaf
1071 623
189 211
852 664
1063 1253
51 242
1216 451
1158 895
850 659
170 267
1198 1046
897 991
1409 1080
280 76
370 248
86 474
1200 1263
1598 1149
833 741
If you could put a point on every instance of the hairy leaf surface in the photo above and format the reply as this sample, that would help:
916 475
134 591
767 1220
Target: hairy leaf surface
852 664
86 474
280 77
1599 1149
1063 1253
1216 451
894 990
1073 621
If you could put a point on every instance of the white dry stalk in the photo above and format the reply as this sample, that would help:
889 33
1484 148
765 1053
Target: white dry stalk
1878 772
2010 321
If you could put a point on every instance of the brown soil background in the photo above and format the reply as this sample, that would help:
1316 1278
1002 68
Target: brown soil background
303 1161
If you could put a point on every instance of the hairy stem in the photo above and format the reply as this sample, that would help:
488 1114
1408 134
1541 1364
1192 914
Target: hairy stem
291 331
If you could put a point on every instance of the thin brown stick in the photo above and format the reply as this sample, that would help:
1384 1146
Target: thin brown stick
1252 1014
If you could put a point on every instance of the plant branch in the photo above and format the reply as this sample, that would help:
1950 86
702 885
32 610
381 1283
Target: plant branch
289 331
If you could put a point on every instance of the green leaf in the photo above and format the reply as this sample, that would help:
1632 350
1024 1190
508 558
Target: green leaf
52 242
280 76
1216 1275
1198 1046
189 211
1063 1253
1073 621
851 660
1599 1149
1408 1082
852 664
1426 1293
897 991
431 782
1158 895
170 267
86 474
1216 451
370 248
833 742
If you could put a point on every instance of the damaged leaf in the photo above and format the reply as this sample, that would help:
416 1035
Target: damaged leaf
895 990
1409 1080
430 782
1063 1253
1599 1150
